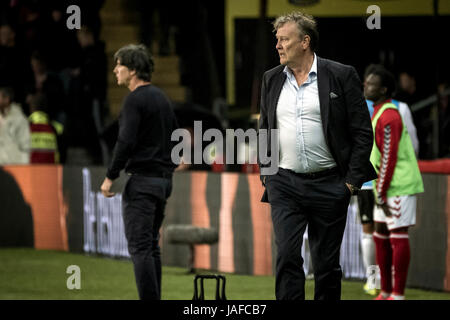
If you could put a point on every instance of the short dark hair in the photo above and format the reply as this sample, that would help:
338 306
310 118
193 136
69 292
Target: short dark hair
386 77
370 68
7 92
306 25
39 102
137 58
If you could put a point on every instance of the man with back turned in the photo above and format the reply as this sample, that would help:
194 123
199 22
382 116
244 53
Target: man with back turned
325 140
143 149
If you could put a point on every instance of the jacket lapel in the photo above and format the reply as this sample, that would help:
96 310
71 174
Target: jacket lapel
323 82
275 95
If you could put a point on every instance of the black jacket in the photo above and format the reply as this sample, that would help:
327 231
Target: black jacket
345 117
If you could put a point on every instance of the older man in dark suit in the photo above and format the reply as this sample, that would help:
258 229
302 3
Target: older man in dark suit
325 140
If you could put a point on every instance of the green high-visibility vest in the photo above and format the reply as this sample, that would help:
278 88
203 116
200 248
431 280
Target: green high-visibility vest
406 179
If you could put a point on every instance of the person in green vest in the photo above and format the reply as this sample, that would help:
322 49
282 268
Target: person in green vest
395 189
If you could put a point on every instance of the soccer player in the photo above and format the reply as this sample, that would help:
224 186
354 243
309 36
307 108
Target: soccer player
365 195
399 180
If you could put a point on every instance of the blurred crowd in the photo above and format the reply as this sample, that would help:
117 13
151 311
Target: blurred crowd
432 124
53 80
53 77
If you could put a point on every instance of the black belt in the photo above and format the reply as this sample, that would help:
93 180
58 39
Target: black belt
319 174
166 175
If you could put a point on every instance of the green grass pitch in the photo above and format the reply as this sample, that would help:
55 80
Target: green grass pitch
41 275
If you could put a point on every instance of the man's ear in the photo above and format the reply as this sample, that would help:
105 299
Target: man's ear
306 41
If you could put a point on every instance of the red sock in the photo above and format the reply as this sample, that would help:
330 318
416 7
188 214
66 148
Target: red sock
383 253
401 255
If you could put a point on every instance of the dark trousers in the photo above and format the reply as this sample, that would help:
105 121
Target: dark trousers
144 200
321 204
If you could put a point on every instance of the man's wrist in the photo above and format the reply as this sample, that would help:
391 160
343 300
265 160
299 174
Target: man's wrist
111 175
353 189
379 201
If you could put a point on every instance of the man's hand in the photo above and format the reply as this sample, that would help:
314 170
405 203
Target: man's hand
386 210
350 187
106 186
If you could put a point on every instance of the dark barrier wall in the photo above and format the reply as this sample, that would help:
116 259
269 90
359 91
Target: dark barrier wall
16 222
51 207
41 191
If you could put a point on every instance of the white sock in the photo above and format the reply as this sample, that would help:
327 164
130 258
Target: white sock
368 249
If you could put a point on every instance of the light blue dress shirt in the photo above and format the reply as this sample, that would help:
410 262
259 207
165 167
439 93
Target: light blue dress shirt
303 147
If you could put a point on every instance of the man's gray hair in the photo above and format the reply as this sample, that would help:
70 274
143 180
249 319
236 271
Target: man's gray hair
306 25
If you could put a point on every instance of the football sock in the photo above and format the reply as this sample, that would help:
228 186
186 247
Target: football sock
368 249
400 261
383 252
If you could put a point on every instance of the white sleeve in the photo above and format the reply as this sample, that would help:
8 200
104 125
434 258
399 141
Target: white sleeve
408 120
24 141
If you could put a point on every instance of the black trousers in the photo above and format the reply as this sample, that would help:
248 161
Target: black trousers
144 200
321 204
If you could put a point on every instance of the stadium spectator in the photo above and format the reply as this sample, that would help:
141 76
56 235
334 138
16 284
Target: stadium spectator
314 192
61 48
44 134
93 64
48 83
32 32
59 64
192 26
407 88
87 95
12 62
152 32
399 180
14 131
409 92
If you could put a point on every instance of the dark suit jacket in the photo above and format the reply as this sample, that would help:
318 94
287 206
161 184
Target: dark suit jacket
345 117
